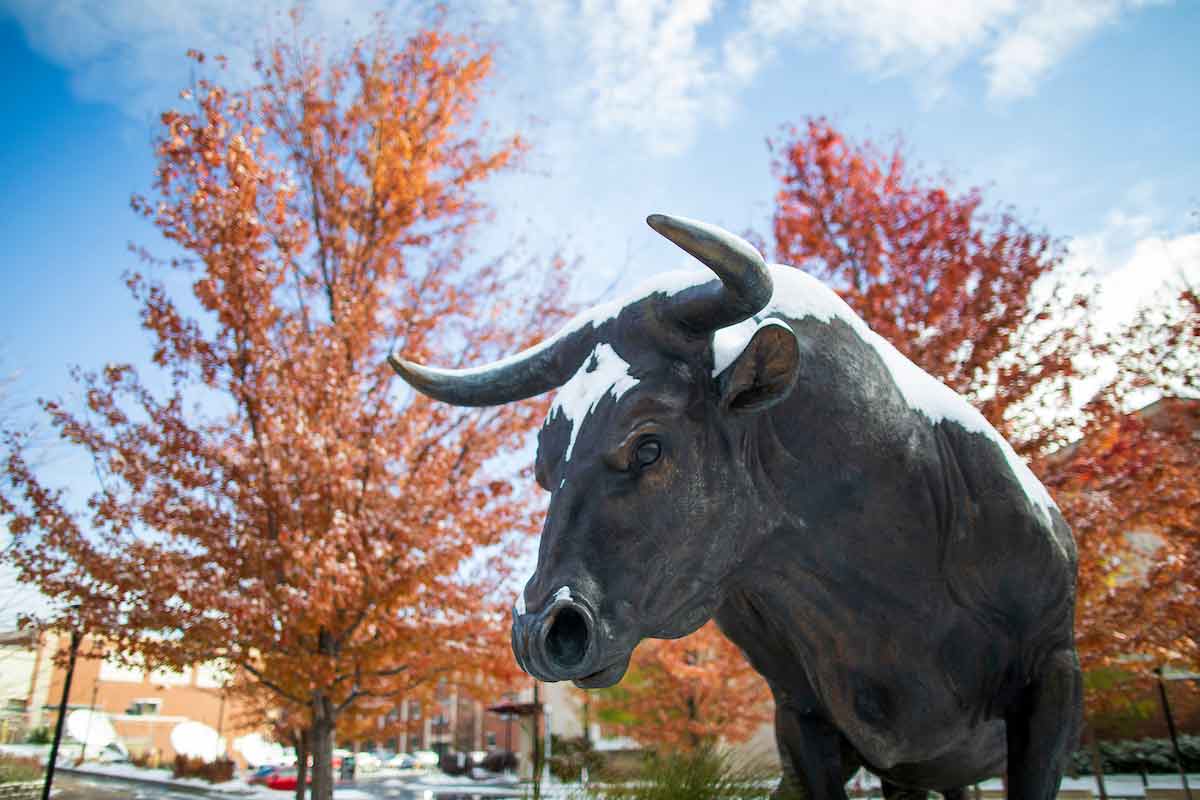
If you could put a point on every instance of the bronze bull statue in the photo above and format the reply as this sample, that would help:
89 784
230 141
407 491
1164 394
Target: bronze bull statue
746 449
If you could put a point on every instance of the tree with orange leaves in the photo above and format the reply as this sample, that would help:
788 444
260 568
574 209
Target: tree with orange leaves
284 503
681 694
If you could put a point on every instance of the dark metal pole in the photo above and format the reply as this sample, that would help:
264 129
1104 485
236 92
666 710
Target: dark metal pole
1097 761
537 761
1162 693
62 715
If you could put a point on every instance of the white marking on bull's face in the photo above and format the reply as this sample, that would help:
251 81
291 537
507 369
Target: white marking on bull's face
562 594
603 373
520 604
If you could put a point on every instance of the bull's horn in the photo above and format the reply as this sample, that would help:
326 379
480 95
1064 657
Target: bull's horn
531 372
744 289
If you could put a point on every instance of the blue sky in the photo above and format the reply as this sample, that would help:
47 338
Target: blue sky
1081 114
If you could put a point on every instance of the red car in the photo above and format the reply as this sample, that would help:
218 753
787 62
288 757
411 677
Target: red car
283 779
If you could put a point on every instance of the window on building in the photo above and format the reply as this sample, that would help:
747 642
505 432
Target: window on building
144 707
491 740
15 704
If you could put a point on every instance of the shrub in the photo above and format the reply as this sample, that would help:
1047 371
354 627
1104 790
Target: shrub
571 756
453 763
699 775
1141 755
501 761
217 771
38 736
15 769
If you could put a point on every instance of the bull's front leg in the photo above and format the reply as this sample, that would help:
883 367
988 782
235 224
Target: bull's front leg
816 759
1043 728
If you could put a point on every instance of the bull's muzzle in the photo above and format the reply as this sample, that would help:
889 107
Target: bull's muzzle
559 642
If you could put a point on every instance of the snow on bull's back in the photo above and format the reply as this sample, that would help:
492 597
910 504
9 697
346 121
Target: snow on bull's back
798 295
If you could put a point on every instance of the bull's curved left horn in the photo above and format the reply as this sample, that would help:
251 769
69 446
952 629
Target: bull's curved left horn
531 372
745 287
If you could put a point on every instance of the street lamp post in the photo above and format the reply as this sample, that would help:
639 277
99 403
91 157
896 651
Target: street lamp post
62 714
1162 694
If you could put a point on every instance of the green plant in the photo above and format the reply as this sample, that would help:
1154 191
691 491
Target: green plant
38 736
572 756
703 773
217 771
14 769
1141 755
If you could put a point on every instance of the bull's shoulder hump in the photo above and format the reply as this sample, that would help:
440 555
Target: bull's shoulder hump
799 295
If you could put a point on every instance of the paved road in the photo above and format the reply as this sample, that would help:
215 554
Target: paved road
71 787
75 787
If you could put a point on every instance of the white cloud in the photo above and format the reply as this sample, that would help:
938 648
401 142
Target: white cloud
645 70
886 35
1017 41
1157 267
1040 39
130 53
16 598
1135 266
656 69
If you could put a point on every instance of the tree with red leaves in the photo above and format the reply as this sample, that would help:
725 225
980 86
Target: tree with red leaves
977 299
1131 489
984 303
681 694
284 503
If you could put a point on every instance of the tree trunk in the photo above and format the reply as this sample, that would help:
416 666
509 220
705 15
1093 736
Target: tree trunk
324 723
301 744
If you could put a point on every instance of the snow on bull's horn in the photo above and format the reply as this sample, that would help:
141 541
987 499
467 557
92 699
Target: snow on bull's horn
743 290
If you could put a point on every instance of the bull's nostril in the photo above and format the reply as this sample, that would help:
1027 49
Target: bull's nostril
567 639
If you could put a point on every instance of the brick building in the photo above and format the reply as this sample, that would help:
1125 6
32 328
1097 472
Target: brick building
144 706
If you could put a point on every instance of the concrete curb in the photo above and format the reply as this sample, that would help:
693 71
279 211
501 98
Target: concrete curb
203 791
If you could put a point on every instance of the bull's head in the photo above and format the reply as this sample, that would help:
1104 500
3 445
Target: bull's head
655 491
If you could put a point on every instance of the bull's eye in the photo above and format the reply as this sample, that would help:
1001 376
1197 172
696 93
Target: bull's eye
648 451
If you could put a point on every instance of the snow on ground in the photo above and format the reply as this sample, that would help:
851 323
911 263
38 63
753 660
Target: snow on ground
437 783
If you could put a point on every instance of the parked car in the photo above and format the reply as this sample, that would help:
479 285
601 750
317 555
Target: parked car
262 774
402 761
426 758
368 762
283 780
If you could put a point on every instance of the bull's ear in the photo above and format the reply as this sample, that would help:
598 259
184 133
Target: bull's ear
764 373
